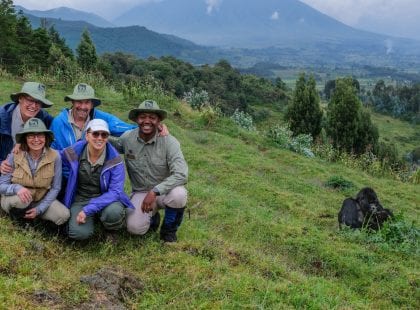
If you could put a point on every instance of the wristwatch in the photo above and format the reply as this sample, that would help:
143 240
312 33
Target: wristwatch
156 191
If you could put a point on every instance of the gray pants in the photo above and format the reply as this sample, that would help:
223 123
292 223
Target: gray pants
112 217
138 222
56 212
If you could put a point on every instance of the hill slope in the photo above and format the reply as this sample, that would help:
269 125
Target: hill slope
135 40
260 232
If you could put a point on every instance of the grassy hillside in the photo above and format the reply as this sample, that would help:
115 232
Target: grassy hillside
260 232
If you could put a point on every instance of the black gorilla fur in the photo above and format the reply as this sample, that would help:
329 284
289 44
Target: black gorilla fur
364 211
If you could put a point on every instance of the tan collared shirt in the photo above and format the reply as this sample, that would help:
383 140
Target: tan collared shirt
78 132
158 163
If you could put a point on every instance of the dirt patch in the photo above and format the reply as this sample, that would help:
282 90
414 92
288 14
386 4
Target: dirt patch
111 288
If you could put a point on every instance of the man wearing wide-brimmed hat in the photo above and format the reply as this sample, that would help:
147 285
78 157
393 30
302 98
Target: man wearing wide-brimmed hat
31 189
157 171
69 126
26 103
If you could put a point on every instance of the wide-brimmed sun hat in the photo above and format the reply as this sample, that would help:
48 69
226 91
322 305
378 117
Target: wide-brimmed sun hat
83 91
35 90
33 125
147 106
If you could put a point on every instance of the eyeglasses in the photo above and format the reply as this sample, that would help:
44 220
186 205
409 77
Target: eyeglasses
103 134
32 136
32 101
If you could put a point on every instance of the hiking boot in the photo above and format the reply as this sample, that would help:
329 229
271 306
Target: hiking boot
169 236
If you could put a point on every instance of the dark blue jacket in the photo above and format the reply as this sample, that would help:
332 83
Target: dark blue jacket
111 180
6 141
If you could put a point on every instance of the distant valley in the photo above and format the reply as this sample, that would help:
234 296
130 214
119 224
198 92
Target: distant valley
287 33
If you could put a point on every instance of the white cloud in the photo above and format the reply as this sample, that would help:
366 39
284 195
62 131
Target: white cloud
351 11
275 15
212 5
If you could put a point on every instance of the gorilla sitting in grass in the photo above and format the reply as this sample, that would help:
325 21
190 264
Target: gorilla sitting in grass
363 212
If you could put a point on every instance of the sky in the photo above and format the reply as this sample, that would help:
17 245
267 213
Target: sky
393 17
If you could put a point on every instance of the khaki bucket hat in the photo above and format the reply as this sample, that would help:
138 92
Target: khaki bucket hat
147 106
83 91
33 125
35 90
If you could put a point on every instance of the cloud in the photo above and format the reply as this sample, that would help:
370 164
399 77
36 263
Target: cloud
212 5
275 15
352 11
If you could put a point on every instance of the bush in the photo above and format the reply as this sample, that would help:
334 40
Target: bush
338 182
209 115
197 100
398 235
243 120
284 138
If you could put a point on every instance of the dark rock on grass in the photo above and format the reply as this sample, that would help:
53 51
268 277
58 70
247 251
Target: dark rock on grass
111 287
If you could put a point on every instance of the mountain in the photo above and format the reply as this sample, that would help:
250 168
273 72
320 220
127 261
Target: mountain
65 13
247 32
136 40
244 23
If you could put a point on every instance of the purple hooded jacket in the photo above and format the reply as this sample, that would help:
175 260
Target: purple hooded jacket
112 178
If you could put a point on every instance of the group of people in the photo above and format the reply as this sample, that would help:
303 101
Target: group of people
68 169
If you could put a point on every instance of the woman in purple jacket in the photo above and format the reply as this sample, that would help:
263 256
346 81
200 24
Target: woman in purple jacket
95 187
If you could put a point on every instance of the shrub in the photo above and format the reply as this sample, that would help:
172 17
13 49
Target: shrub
338 182
209 115
284 138
398 235
243 120
415 177
197 100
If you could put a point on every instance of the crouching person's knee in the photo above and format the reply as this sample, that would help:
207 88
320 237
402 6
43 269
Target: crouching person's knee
138 223
176 198
113 216
80 233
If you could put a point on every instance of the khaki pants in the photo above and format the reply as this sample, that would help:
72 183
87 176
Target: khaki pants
56 212
138 222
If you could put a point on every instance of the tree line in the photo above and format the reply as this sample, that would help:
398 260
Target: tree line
345 123
44 50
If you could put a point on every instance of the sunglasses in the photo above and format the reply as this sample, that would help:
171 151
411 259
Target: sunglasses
103 134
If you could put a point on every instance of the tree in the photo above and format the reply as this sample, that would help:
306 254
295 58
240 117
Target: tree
330 86
60 43
343 115
8 47
86 52
304 113
348 124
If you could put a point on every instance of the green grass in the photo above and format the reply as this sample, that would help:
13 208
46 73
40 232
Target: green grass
261 233
404 135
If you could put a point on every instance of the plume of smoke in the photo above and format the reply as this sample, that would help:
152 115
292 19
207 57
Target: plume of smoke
212 5
275 15
389 44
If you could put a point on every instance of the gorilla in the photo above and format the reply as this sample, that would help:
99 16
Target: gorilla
364 211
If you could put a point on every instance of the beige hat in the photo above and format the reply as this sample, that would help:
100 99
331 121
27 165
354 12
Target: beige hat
35 90
148 106
83 91
33 125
